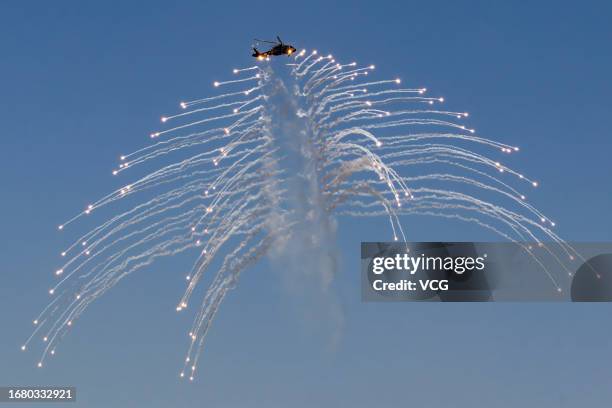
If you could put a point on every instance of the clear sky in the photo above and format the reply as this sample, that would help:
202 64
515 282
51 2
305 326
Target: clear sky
81 84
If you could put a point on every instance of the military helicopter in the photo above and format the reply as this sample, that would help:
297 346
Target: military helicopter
278 49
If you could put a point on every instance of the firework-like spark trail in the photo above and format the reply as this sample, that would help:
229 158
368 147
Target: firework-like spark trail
276 158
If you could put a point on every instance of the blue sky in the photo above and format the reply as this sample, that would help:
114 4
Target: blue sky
81 84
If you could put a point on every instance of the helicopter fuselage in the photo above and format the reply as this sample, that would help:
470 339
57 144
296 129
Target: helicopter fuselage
278 49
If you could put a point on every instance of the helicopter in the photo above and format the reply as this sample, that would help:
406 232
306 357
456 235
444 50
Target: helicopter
279 49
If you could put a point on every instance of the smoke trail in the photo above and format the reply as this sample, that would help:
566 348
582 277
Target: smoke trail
307 260
265 168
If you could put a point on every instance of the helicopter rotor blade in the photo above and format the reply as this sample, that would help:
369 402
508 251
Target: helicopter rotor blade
265 41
